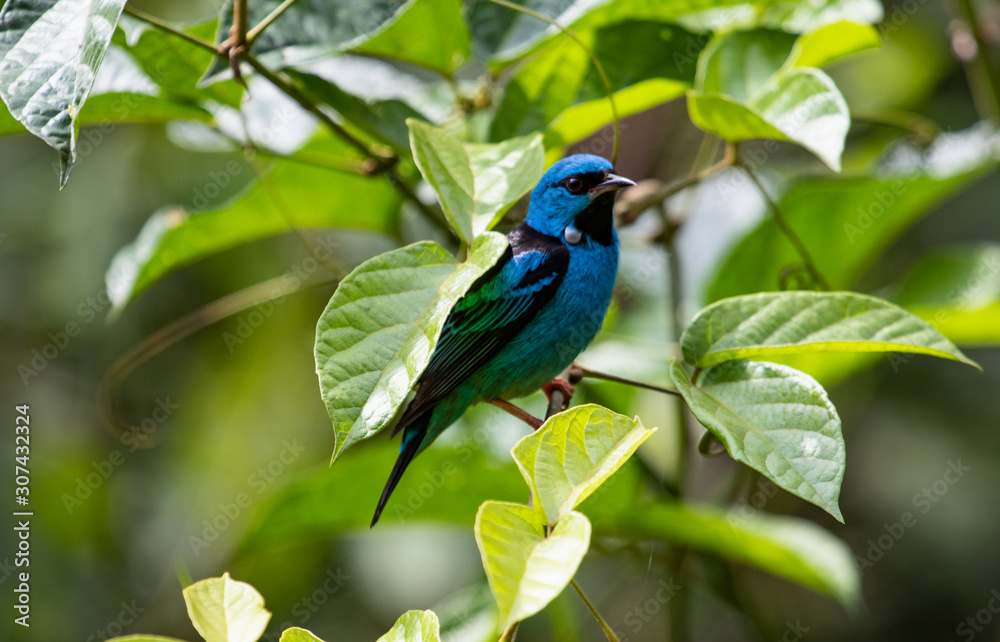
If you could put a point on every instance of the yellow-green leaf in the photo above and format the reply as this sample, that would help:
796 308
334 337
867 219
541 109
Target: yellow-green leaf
224 610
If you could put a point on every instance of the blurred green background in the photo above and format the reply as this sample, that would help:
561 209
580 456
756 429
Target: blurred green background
117 530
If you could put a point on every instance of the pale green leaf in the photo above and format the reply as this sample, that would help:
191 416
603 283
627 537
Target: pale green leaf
50 51
800 16
143 638
833 42
379 330
414 626
429 33
776 420
294 194
296 634
573 453
475 183
526 569
740 64
225 610
778 323
795 549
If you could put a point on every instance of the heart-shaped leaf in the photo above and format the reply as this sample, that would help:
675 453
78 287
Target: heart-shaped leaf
779 323
414 626
50 51
526 569
475 183
224 610
379 330
776 420
573 453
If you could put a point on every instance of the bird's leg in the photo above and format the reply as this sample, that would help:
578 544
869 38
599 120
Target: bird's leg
524 416
563 386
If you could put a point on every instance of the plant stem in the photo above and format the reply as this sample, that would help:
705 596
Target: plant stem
604 376
982 72
789 233
254 33
521 414
593 59
638 207
168 28
238 32
510 634
608 632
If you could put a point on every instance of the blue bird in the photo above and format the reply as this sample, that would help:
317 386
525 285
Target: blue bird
529 316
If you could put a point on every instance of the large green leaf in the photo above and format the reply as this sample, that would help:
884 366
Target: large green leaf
414 626
428 33
778 323
795 549
957 290
50 51
224 610
573 453
526 569
776 420
560 90
744 90
379 330
476 183
293 194
845 222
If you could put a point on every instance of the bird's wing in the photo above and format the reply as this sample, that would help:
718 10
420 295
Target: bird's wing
493 312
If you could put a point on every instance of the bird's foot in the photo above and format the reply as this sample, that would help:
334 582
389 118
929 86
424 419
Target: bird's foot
563 386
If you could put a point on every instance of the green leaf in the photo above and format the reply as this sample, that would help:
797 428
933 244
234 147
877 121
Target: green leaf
800 105
296 634
778 323
740 64
560 90
224 610
427 33
805 17
384 120
476 183
414 626
860 217
774 419
50 51
833 42
430 33
526 569
573 453
294 193
379 330
795 549
957 290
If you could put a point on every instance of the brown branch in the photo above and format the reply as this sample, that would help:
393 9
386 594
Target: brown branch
521 414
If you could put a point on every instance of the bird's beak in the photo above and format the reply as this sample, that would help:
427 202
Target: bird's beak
612 183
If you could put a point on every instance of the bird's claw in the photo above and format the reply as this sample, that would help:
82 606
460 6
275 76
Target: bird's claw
563 386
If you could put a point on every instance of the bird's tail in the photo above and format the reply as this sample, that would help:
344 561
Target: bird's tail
412 438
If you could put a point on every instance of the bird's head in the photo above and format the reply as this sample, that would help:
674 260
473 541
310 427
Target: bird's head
574 200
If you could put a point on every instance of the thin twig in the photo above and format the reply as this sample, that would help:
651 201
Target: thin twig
179 329
168 28
608 631
254 33
594 374
521 414
983 74
593 59
789 233
638 207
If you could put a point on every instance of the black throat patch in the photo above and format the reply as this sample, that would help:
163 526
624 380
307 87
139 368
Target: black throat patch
597 221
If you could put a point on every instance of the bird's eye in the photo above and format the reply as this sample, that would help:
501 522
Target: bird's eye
574 185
